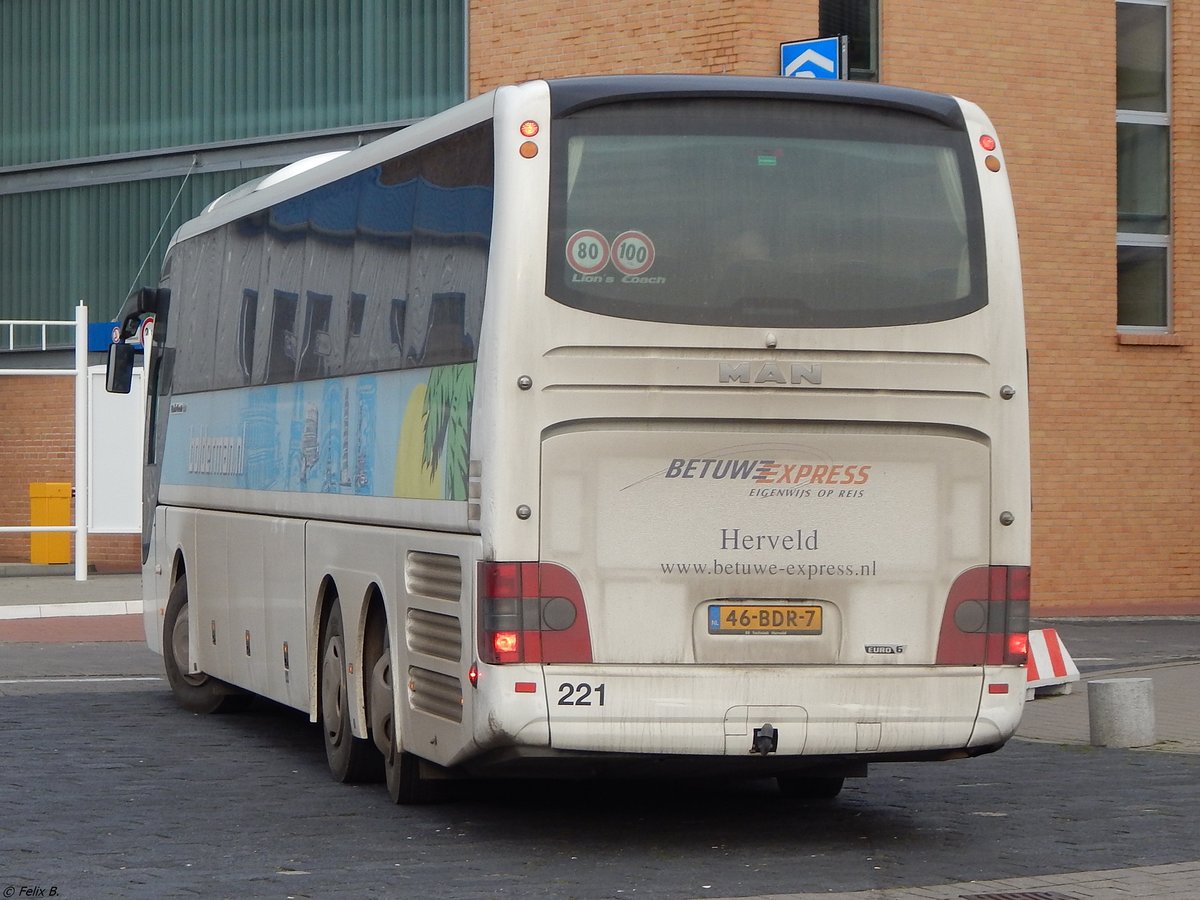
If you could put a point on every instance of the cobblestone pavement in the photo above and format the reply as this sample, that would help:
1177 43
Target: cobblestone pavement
109 790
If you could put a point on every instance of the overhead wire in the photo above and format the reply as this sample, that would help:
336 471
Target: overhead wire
162 227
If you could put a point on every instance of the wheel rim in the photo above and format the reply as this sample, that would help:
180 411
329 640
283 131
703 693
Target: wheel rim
383 721
333 689
383 717
180 649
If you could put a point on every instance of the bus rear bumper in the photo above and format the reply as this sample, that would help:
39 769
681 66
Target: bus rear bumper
868 712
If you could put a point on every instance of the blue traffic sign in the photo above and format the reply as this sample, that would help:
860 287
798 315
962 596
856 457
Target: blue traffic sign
816 58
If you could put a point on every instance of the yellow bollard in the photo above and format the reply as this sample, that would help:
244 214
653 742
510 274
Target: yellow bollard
49 504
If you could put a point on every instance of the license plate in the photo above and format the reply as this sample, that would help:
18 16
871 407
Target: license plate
739 618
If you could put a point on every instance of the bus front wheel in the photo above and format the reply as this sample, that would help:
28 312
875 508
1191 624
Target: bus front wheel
350 758
195 691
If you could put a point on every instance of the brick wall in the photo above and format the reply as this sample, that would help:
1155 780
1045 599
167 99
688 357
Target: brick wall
1114 424
514 41
37 444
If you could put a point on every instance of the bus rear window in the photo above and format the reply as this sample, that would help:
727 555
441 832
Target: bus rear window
772 213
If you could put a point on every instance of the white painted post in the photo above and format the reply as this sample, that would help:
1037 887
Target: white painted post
81 442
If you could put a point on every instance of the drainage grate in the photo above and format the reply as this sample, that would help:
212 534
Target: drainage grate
1020 895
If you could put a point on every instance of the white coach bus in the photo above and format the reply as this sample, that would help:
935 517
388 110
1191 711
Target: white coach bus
604 425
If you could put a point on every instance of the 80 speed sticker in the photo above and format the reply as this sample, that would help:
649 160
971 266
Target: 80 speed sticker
587 252
631 253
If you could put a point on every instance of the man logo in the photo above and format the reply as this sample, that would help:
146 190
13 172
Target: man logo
768 373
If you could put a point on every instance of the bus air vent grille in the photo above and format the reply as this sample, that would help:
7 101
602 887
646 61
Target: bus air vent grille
433 575
434 693
434 635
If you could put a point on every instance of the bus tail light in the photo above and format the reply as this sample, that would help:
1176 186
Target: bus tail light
986 621
531 613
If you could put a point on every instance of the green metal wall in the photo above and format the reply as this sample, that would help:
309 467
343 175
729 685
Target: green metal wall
99 81
58 248
85 78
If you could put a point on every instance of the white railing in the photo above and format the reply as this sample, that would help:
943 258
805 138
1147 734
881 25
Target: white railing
9 327
79 527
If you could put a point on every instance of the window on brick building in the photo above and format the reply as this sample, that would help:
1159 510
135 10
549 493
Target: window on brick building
859 20
1143 166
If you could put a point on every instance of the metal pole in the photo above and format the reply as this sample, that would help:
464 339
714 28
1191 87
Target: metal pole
37 529
70 371
81 442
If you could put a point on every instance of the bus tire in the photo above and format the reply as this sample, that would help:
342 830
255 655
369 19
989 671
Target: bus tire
195 691
401 769
350 758
810 787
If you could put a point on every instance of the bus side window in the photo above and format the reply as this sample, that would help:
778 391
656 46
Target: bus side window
446 337
281 352
396 324
245 338
354 326
314 357
198 312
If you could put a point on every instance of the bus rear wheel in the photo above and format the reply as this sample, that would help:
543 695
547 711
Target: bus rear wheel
195 691
401 769
350 758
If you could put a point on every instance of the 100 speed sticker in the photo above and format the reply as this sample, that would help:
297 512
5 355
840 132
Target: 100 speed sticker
631 253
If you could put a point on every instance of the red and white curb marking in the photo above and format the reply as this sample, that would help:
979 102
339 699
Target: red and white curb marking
1050 669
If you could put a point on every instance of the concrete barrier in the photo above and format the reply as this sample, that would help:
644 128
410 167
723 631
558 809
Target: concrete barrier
1049 671
1121 712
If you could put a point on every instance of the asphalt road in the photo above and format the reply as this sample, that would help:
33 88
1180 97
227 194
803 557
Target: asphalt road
110 790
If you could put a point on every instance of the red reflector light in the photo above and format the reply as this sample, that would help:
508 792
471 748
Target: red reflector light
987 142
501 580
997 688
526 687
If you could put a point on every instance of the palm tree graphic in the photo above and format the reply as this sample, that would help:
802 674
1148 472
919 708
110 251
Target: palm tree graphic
447 421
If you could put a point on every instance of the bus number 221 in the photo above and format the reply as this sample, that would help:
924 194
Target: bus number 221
582 694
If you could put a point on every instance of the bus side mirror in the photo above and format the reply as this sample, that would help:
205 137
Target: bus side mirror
142 302
119 377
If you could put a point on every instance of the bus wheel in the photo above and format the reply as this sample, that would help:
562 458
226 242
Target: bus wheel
402 769
810 787
195 691
350 758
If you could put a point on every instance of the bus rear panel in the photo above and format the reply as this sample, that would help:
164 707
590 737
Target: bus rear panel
779 401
